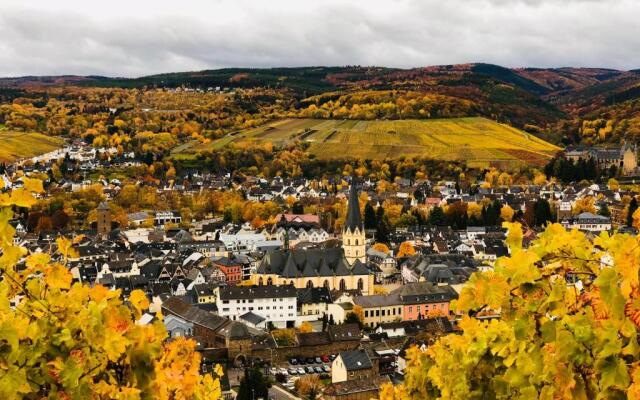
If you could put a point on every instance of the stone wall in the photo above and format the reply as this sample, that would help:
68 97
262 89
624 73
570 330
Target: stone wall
282 354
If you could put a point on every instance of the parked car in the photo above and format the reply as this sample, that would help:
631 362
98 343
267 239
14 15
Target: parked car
301 361
310 360
325 358
318 360
332 357
293 361
326 368
325 376
318 370
283 371
309 370
273 370
293 371
301 371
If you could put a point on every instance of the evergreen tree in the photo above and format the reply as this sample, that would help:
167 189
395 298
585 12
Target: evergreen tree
418 195
491 213
297 208
437 217
370 220
382 226
254 385
542 212
604 210
633 206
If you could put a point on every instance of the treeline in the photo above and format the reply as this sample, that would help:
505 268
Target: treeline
567 170
294 161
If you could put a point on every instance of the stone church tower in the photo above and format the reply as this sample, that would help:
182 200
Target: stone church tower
103 214
629 159
353 240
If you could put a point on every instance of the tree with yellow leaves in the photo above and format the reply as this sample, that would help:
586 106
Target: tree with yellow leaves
613 184
66 340
569 325
584 204
506 213
406 250
381 247
305 327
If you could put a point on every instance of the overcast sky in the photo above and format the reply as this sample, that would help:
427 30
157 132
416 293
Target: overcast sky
140 37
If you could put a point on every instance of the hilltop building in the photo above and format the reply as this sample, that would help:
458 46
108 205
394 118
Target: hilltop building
625 158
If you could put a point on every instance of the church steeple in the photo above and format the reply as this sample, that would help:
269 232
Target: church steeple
353 237
354 220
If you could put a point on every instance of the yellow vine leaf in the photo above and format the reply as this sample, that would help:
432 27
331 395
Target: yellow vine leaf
33 185
139 301
58 277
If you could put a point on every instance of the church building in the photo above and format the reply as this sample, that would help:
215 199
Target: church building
338 268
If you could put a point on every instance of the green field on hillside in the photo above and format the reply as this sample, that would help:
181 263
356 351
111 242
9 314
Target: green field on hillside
15 145
479 141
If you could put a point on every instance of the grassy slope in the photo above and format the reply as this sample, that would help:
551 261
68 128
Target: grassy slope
15 145
480 141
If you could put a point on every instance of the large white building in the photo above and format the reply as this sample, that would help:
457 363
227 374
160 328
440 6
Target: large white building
587 221
259 305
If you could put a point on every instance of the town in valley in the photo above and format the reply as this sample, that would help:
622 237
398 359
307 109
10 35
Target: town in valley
337 200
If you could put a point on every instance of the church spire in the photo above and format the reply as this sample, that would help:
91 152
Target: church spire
354 220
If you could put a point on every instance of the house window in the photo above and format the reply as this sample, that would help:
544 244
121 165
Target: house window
343 284
309 284
360 284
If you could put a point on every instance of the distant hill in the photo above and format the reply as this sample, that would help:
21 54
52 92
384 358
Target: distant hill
478 141
552 103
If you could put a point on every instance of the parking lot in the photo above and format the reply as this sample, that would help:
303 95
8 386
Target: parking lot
286 373
300 366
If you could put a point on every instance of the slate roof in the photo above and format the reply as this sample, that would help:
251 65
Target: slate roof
313 295
256 292
253 318
235 330
438 325
344 332
314 338
192 314
420 292
355 360
309 263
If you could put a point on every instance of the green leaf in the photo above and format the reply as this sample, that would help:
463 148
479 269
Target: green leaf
608 281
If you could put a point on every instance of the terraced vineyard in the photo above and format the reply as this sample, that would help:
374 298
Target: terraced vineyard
479 141
15 145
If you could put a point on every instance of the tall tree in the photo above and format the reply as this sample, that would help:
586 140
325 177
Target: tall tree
370 220
633 206
382 226
542 212
254 385
437 217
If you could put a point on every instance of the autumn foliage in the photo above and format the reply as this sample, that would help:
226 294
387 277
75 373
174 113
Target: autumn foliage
66 340
568 329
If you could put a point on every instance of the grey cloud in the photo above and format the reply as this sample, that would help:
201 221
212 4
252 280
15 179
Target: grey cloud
402 33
